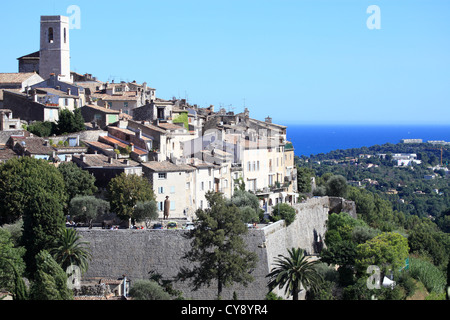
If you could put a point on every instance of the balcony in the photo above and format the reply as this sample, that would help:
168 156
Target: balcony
236 167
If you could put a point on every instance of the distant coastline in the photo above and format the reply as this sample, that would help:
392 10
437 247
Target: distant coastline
315 139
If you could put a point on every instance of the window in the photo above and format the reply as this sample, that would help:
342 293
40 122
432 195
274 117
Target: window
125 104
188 185
172 189
162 176
257 165
172 205
65 35
209 171
161 190
50 35
160 206
66 102
202 186
270 180
110 105
201 204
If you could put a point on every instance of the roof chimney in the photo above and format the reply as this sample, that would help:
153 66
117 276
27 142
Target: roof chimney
110 160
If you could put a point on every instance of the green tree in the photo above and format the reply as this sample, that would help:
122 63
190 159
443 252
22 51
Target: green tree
248 203
148 290
426 239
78 121
125 191
146 212
218 249
20 181
343 235
12 266
304 176
77 181
293 273
285 212
50 281
388 250
87 208
43 222
167 285
35 190
336 186
42 129
69 249
66 122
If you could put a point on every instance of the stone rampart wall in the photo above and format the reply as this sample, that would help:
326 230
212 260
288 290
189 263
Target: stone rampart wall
137 252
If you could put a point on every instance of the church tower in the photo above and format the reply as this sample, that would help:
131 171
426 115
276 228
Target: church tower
55 49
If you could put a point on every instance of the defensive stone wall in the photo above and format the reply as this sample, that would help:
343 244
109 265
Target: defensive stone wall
137 252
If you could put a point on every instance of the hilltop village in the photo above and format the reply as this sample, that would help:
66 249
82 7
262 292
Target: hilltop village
183 150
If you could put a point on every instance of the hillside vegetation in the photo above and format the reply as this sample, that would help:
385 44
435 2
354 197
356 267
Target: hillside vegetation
411 199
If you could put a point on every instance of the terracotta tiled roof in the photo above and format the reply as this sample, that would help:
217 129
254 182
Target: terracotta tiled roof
112 141
99 145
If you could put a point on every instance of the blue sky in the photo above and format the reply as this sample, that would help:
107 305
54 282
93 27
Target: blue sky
299 61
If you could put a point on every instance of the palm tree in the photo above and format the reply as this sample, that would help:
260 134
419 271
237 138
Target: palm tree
294 272
70 250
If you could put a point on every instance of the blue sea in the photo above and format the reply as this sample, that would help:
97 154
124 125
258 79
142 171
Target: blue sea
314 139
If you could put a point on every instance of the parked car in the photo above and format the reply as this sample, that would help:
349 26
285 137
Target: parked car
189 226
157 226
172 225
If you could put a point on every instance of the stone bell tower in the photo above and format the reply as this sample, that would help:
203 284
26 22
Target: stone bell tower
55 48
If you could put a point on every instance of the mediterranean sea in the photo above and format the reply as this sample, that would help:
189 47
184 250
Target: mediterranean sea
314 139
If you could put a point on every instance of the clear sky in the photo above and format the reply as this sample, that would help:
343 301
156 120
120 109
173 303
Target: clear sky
299 61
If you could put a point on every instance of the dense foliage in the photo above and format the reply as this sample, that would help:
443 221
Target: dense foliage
218 249
403 212
125 191
78 182
69 122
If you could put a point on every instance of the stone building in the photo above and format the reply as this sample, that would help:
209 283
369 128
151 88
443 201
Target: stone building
7 122
55 48
17 82
174 181
105 168
26 107
99 116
